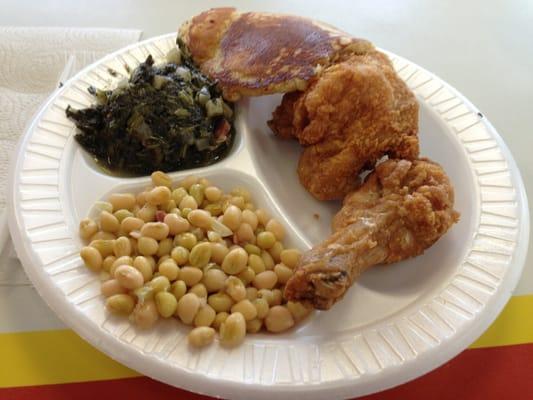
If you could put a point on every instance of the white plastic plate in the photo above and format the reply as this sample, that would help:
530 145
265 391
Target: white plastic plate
396 323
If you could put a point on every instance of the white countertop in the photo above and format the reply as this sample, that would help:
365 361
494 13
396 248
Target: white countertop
483 48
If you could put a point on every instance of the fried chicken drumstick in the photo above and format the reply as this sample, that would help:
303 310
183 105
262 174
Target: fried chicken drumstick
401 210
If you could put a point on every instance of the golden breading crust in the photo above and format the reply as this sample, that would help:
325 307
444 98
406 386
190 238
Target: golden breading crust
252 54
401 210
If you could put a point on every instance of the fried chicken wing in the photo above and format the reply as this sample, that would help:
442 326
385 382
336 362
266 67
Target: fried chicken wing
352 114
255 53
402 209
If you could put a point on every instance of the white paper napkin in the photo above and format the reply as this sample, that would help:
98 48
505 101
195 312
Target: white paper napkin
31 63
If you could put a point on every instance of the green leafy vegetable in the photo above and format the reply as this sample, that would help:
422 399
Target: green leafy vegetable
167 117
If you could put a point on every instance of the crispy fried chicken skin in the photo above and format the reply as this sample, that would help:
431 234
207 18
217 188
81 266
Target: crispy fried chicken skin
351 115
402 209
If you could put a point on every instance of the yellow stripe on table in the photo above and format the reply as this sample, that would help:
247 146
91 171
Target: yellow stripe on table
61 356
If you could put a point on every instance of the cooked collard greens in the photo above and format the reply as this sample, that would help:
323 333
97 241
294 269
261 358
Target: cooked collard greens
165 117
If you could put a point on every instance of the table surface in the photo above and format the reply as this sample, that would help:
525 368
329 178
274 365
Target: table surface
484 49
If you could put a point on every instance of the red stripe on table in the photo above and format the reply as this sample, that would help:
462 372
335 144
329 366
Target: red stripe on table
486 373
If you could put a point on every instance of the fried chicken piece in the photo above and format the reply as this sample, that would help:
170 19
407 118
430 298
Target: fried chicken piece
401 210
257 53
351 115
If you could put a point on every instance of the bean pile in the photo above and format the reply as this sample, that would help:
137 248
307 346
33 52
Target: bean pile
210 259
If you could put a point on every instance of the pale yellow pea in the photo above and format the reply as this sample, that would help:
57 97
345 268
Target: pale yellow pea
166 304
220 302
233 330
200 218
187 240
124 201
170 269
120 304
180 254
212 193
204 181
88 228
104 246
122 247
265 280
267 260
250 218
101 235
159 178
128 277
140 200
256 263
147 246
188 307
262 216
162 259
262 307
142 264
290 257
278 319
152 262
191 275
145 315
201 336
108 262
218 252
197 191
245 234
155 230
237 201
265 240
242 192
205 316
252 249
232 217
251 293
246 308
200 255
108 222
159 284
178 194
277 298
267 295
235 261
213 236
235 288
165 247
215 209
122 214
170 205
178 289
147 213
129 224
188 181
91 258
188 202
275 251
283 272
276 228
298 310
158 195
247 275
214 280
176 224
111 287
123 260
100 206
219 319
199 290
249 206
254 325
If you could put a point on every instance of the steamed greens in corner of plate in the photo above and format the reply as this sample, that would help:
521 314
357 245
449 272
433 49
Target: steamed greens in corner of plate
168 117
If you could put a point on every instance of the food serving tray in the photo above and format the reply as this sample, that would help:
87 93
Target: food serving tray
396 323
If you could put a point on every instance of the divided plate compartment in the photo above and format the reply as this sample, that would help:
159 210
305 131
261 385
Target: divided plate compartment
396 323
